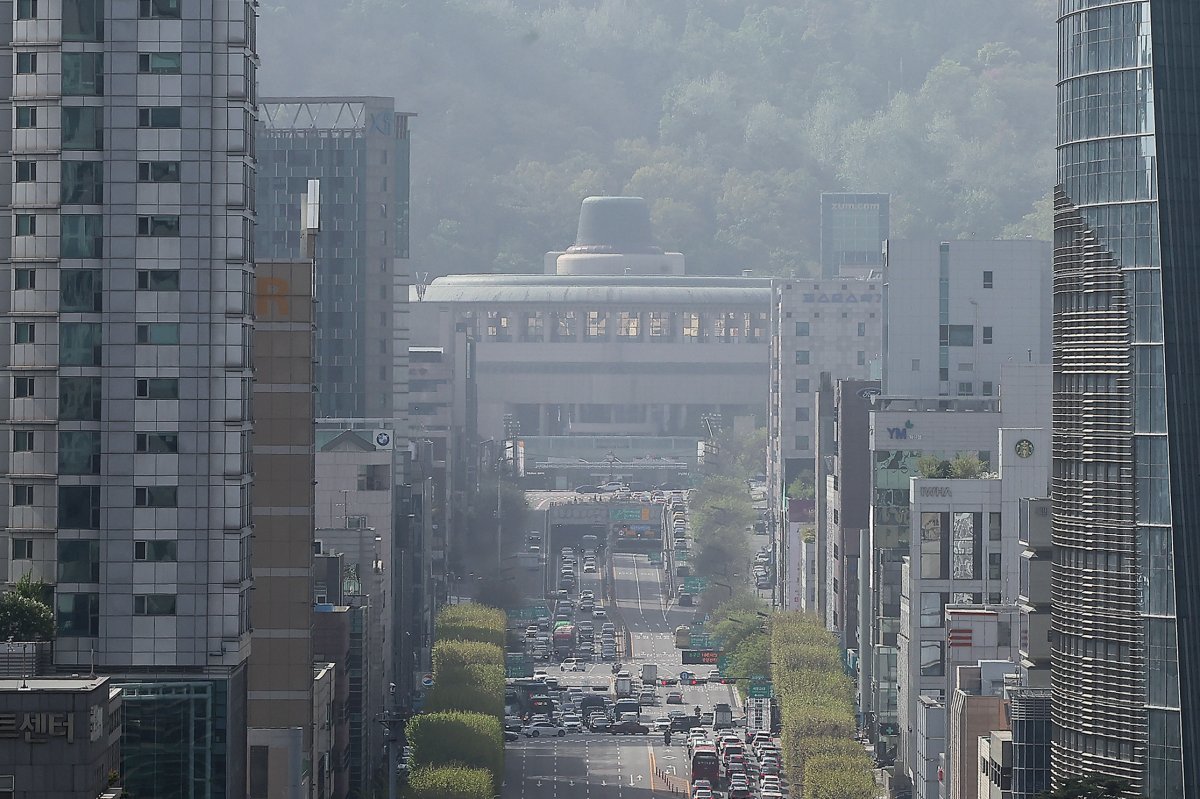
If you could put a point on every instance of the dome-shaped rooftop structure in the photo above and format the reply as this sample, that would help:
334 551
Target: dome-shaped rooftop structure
614 225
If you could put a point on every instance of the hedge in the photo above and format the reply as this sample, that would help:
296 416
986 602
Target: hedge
817 707
469 676
450 783
471 622
471 740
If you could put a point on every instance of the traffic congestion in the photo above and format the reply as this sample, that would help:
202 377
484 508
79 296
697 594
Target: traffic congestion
609 705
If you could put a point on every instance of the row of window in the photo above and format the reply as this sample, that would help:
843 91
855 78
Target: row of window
79 289
143 497
155 226
83 126
805 328
83 181
804 358
82 18
79 560
83 73
157 388
154 443
626 325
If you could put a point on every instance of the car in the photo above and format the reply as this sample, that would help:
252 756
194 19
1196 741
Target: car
675 698
702 793
587 595
509 735
571 664
540 674
537 729
769 781
685 599
668 681
512 724
647 698
629 727
612 486
572 723
740 792
662 724
714 674
600 723
587 489
706 718
589 568
599 613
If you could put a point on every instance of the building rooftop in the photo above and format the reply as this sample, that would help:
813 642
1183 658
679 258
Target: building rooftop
579 289
55 684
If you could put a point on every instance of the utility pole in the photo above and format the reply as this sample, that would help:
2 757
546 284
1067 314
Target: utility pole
392 721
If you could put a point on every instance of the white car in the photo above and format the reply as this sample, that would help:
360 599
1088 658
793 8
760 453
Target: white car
570 664
714 674
540 674
538 729
662 724
599 613
611 486
571 723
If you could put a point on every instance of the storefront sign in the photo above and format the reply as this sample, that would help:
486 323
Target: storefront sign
37 728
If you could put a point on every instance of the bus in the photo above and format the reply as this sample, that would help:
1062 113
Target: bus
706 765
683 636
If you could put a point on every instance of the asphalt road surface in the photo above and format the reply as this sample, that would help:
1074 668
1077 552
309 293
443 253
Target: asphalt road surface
600 766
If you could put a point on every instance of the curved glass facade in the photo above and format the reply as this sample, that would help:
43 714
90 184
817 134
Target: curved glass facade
1125 207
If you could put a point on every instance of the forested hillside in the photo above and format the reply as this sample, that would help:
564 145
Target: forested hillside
730 116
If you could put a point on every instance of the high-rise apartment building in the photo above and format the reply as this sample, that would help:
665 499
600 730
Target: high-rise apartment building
1125 598
128 266
358 147
853 229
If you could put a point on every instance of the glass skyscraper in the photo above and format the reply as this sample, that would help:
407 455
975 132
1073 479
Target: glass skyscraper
853 229
1126 419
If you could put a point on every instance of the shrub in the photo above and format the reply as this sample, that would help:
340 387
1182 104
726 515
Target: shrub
471 622
470 740
468 675
450 783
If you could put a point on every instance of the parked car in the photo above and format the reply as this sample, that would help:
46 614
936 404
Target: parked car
629 728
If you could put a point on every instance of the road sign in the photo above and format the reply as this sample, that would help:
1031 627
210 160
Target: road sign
701 657
427 680
694 585
517 664
760 690
723 663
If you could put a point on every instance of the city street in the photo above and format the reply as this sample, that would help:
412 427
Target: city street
602 766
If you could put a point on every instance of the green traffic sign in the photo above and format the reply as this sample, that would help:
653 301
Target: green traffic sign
723 664
760 691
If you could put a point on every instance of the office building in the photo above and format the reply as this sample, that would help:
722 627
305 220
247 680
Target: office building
1125 599
280 671
358 147
1034 592
126 356
853 229
976 707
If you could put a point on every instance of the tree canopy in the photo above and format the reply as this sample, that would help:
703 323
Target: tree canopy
729 117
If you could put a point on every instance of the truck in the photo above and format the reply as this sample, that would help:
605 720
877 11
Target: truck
722 716
621 686
649 673
564 640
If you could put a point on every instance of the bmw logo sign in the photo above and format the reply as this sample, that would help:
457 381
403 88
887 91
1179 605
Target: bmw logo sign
383 439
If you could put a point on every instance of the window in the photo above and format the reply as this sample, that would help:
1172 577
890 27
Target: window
83 21
916 364
27 9
82 128
79 344
26 116
22 387
160 63
22 495
933 607
26 63
161 225
23 332
158 9
659 323
79 452
596 326
24 279
154 604
932 663
802 385
935 555
82 182
82 74
987 279
986 388
995 531
802 328
373 477
802 357
987 335
861 358
77 615
564 327
994 560
957 335
82 236
533 327
802 442
802 414
164 388
80 291
26 225
22 549
158 171
158 333
79 507
158 280
862 329
160 117
158 443
965 388
79 399
156 496
156 551
629 325
78 561
22 441
26 171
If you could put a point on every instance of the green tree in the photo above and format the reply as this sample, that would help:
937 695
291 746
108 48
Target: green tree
1090 788
471 622
453 782
23 618
933 466
470 740
803 487
966 467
